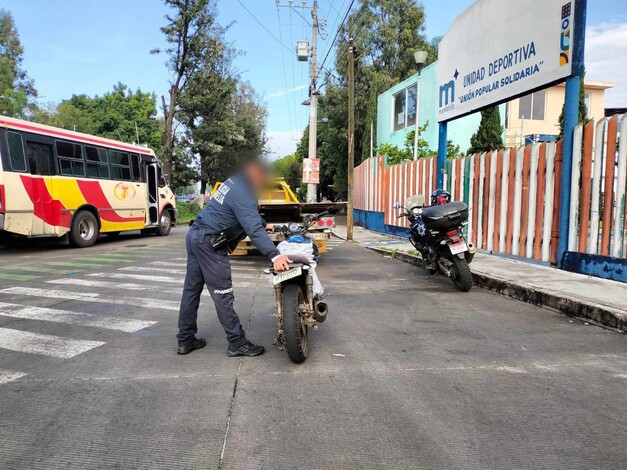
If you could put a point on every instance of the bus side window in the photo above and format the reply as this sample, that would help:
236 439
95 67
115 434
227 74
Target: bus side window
120 165
97 162
16 151
138 175
70 158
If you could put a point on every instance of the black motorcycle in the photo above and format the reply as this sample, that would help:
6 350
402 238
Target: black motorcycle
436 232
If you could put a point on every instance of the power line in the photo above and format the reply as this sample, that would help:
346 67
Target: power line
337 33
287 95
266 29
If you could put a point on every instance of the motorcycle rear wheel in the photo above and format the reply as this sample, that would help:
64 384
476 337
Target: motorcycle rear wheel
462 277
294 327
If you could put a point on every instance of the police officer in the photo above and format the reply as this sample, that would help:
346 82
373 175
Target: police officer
231 214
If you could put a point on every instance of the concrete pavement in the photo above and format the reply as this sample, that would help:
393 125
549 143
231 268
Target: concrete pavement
405 373
593 299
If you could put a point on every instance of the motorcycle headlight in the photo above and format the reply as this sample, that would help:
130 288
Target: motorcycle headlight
416 211
294 228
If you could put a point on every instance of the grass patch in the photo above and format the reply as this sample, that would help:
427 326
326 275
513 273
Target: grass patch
187 212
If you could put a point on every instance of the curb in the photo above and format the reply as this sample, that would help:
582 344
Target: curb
587 311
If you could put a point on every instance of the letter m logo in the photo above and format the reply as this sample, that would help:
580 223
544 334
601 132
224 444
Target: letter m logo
447 93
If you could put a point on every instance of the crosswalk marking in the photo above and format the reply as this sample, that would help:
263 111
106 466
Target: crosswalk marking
73 264
151 269
139 277
92 297
47 345
73 318
167 263
18 277
38 269
7 376
126 285
106 260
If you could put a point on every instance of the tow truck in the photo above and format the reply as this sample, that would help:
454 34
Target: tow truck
279 205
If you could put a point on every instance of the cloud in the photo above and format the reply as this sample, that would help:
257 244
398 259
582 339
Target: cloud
286 92
606 49
282 143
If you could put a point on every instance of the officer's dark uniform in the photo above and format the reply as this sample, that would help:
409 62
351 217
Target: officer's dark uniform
232 211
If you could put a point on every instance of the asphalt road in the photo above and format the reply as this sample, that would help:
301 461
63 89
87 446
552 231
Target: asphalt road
405 373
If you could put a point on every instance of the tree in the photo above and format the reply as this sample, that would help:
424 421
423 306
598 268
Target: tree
386 33
16 90
489 136
583 109
290 169
122 114
192 33
394 155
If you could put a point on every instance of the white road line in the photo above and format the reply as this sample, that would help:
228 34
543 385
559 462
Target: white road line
140 277
244 268
92 297
167 263
73 318
71 281
162 269
47 345
7 376
236 260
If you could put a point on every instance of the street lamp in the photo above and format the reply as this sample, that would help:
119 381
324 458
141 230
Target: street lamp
420 57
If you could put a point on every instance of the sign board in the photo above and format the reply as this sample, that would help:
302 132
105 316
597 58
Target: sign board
311 170
498 49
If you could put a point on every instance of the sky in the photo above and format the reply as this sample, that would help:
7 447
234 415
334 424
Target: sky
86 46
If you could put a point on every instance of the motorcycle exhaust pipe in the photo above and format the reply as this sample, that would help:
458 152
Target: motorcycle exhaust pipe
470 254
320 311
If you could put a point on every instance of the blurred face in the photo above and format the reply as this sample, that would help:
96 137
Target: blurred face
257 175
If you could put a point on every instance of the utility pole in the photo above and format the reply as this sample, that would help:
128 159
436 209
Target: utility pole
312 193
351 129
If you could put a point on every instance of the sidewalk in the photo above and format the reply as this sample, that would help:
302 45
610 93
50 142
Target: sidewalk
590 298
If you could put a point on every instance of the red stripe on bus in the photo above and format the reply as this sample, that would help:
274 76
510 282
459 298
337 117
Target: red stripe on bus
47 209
93 140
92 192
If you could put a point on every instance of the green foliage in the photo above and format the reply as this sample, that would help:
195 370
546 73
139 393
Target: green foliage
452 150
222 120
583 109
289 168
394 155
489 136
187 212
16 90
120 114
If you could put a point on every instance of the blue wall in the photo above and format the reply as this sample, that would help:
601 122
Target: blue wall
459 131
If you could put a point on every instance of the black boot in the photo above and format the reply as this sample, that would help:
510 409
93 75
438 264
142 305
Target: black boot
248 349
191 344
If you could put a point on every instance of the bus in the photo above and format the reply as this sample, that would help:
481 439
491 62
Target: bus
55 182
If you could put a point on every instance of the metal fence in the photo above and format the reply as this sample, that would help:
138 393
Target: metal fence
514 193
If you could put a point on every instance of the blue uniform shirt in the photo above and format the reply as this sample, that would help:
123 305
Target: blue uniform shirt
235 204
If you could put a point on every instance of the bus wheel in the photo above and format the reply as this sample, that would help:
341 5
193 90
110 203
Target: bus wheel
84 231
165 224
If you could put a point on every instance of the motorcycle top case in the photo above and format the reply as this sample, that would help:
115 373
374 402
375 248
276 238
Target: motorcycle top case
445 216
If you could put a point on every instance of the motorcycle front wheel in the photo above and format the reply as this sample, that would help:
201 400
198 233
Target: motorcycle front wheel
461 275
294 327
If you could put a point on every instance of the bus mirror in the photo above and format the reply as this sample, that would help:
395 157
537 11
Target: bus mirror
162 182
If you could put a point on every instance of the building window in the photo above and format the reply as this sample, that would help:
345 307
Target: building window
70 158
16 151
405 108
97 162
531 107
587 98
